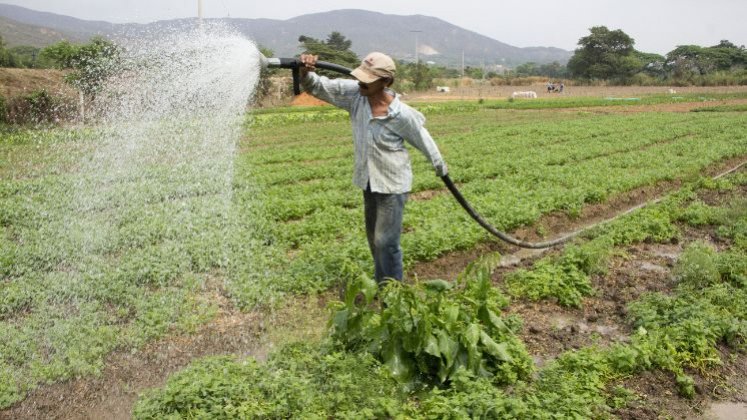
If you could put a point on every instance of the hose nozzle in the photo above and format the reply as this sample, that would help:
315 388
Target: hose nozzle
294 64
279 63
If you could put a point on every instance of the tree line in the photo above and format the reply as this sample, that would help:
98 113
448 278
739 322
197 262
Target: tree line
603 55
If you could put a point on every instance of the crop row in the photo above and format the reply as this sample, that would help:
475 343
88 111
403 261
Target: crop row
512 172
442 350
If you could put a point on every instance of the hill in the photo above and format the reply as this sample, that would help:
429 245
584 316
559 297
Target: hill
71 28
15 82
438 41
16 33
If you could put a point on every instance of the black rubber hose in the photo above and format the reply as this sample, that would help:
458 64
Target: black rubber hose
332 66
449 184
503 236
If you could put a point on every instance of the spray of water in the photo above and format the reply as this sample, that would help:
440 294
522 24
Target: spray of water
169 120
118 242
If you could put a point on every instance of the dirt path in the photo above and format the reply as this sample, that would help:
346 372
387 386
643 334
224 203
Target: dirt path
113 394
485 91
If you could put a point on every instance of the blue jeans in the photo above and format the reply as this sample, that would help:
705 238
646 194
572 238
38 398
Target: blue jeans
383 229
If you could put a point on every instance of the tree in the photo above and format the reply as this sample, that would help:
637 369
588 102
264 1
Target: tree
604 54
651 64
7 59
422 77
337 41
553 70
725 56
91 63
685 61
527 69
265 84
336 49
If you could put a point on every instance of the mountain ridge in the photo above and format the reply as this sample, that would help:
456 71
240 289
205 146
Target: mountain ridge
438 40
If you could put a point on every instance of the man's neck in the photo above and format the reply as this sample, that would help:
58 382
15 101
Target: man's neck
382 99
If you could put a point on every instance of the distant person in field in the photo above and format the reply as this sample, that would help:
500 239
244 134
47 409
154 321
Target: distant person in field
381 124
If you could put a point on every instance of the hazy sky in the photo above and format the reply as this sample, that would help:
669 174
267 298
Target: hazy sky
656 25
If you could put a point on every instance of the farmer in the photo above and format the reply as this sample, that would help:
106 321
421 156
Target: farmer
381 123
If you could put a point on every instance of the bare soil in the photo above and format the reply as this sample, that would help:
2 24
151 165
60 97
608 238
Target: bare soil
548 328
484 91
14 82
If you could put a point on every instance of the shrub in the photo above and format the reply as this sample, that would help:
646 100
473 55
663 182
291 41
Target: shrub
3 110
39 107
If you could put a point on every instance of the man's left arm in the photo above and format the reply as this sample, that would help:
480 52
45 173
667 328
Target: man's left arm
421 139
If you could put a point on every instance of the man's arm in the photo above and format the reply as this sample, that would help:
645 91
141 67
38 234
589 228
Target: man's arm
421 139
338 92
411 127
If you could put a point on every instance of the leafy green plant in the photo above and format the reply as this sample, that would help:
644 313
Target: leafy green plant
429 331
565 277
697 267
299 381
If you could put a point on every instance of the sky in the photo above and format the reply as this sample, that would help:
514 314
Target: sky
657 26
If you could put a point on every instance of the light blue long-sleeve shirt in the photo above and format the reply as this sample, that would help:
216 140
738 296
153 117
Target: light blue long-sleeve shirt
381 159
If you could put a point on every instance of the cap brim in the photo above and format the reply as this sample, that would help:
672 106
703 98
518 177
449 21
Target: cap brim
364 76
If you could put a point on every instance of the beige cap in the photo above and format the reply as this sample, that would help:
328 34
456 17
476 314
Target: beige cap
375 66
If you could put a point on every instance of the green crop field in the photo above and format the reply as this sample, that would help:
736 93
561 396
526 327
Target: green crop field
293 225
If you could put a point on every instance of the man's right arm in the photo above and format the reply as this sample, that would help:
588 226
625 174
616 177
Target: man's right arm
338 92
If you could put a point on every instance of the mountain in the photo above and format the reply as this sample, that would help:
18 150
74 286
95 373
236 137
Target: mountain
69 26
15 33
438 41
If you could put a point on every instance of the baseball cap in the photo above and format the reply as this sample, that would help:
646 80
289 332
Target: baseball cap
375 66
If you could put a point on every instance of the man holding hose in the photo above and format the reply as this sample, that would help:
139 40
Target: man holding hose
381 124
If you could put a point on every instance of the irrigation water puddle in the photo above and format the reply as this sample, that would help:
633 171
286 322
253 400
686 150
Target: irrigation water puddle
611 331
647 266
726 411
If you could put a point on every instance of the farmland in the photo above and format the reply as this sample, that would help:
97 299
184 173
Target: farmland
582 330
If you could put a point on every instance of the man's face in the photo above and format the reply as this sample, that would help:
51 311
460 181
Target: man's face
373 88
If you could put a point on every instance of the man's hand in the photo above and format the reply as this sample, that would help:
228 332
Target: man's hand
309 64
441 169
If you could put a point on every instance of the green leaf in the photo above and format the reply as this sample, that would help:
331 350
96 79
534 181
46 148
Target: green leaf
451 314
498 350
448 347
432 346
341 321
472 335
496 321
437 285
369 287
398 363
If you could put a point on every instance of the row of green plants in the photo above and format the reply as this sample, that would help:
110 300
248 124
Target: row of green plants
281 116
513 170
440 350
72 293
61 315
566 277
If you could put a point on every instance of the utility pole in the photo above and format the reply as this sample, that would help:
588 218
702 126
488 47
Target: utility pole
199 11
417 61
462 62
